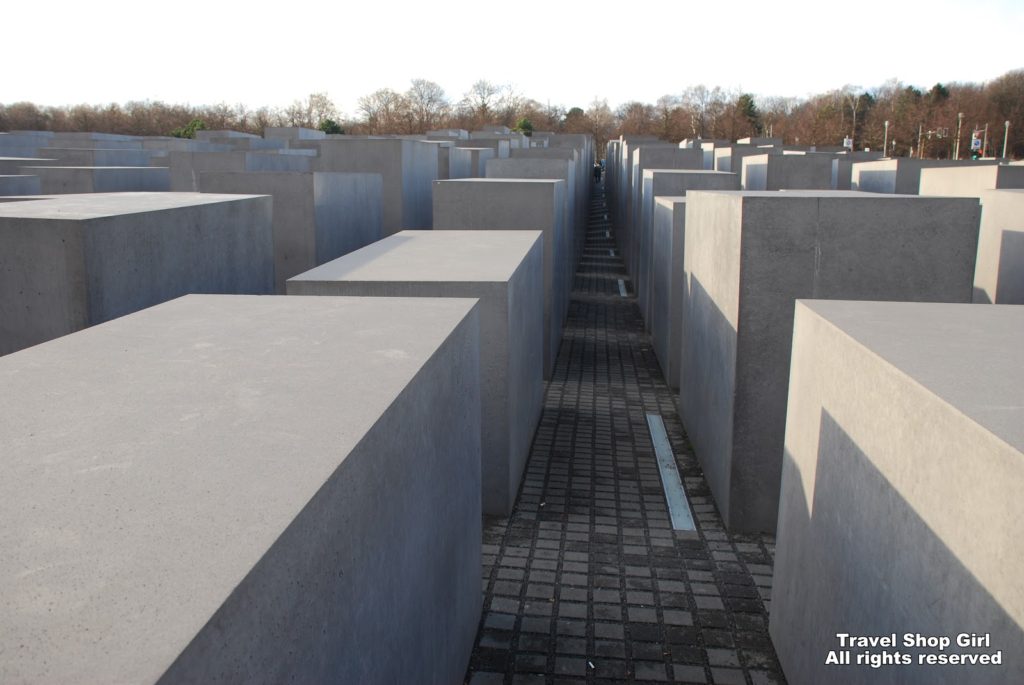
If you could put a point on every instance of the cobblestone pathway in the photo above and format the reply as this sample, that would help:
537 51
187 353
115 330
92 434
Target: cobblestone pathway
587 582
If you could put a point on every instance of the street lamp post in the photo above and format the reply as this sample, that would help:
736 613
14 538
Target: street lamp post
959 123
1006 137
885 141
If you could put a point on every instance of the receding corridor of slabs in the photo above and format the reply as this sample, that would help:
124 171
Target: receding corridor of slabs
614 566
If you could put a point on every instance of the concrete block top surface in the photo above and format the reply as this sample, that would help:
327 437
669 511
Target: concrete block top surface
814 194
500 181
151 462
969 355
434 256
94 205
103 169
649 173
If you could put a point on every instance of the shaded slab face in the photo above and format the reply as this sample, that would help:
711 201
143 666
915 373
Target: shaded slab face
504 269
244 488
72 261
667 286
748 256
668 182
999 274
889 405
318 216
517 204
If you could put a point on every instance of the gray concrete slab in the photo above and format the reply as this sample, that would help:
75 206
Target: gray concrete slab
318 216
469 162
516 204
185 167
505 270
407 167
56 180
293 133
72 261
901 176
657 182
731 158
19 184
970 181
534 168
786 172
12 166
999 272
97 156
900 508
244 489
644 157
667 284
748 256
581 172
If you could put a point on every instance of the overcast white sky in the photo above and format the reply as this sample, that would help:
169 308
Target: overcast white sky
562 52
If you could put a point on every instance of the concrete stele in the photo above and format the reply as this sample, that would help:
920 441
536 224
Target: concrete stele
504 269
748 256
900 502
244 489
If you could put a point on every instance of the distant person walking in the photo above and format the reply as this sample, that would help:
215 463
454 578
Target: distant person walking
597 172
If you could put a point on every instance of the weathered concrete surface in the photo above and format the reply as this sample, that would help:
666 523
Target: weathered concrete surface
244 489
999 273
185 167
12 166
505 270
97 156
748 255
318 216
644 157
517 204
535 168
665 182
970 181
581 172
787 172
73 261
110 179
407 167
901 176
667 284
293 133
498 146
469 162
19 184
730 158
900 509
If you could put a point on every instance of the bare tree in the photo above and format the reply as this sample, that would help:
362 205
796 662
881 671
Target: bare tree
385 111
479 102
310 112
636 117
704 108
602 123
427 104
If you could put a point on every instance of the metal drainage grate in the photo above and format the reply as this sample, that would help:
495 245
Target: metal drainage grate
671 483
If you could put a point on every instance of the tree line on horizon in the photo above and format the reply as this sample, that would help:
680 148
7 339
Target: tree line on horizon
920 122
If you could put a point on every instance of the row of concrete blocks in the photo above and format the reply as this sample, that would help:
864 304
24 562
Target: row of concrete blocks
323 460
724 269
74 261
407 168
796 172
121 252
398 157
885 400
